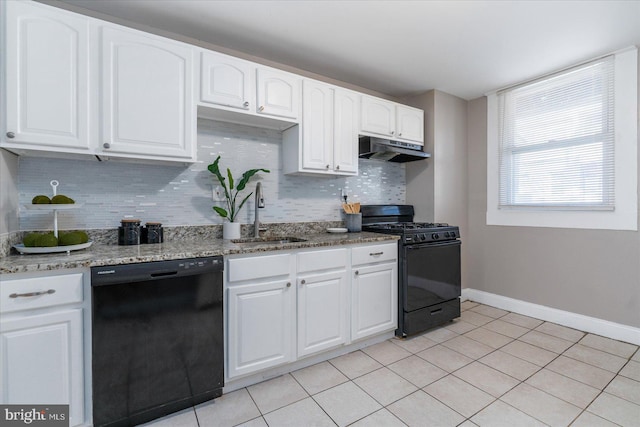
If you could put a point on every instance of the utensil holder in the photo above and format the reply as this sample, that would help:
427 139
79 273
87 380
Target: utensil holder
353 222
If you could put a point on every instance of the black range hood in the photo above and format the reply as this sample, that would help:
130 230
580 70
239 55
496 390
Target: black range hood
390 151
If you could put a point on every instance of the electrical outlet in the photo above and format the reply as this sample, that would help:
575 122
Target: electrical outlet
217 193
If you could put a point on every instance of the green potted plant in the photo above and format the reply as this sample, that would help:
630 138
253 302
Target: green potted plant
231 228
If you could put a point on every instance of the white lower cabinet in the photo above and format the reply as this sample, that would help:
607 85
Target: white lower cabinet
374 289
260 313
270 322
261 320
374 293
322 300
41 344
322 312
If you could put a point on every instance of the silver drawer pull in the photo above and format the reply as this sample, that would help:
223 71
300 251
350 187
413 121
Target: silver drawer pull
33 294
375 253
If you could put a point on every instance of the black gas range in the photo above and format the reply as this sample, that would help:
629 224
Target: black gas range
417 232
429 277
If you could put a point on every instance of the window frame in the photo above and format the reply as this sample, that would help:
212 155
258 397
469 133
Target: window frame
624 215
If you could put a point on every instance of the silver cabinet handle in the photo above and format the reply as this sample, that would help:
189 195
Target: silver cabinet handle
11 135
33 294
261 108
375 253
288 284
106 145
302 282
246 104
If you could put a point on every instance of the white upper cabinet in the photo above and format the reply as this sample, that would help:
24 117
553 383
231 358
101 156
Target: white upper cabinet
410 124
378 116
227 81
317 126
345 131
243 92
278 93
76 84
47 76
147 99
327 142
391 120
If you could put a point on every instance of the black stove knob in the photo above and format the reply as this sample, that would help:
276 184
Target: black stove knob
446 234
435 236
423 237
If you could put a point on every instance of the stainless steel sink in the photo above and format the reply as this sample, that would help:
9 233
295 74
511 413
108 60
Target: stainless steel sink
251 241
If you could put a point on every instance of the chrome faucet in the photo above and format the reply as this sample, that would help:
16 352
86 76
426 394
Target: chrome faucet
259 203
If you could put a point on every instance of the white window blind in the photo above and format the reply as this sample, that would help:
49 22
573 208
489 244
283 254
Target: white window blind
556 139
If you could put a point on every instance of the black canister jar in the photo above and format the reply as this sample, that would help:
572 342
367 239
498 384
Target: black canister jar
152 233
129 232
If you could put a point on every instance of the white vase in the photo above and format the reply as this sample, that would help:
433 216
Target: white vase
230 230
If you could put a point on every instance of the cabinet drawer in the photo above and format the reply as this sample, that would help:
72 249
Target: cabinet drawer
322 260
259 267
374 253
39 292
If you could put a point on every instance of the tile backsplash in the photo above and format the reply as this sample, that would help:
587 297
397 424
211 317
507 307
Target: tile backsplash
182 195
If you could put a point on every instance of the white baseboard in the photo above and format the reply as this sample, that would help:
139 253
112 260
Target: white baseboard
593 325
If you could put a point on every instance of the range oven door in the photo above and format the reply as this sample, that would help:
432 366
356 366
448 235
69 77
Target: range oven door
430 274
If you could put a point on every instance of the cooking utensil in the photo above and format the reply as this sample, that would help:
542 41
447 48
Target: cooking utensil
351 208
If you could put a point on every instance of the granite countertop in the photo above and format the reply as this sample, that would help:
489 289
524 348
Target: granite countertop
101 254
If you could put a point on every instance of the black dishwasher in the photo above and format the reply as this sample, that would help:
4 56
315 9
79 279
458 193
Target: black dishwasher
157 338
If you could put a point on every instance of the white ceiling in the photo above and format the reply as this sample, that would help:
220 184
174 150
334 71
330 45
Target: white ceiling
464 48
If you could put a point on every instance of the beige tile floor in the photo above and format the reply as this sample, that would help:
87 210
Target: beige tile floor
488 368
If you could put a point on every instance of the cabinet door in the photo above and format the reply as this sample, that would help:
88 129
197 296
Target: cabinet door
260 326
47 99
147 96
42 361
374 294
278 93
322 312
227 81
410 123
378 116
346 125
317 126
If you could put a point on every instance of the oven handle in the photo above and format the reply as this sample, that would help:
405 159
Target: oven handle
433 244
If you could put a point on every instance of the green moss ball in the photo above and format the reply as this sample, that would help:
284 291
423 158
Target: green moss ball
73 238
47 240
41 200
30 240
61 199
